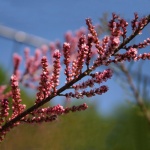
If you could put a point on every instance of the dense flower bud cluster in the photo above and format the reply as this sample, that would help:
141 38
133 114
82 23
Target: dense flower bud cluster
44 88
84 54
4 110
66 50
97 77
17 107
16 61
93 92
56 71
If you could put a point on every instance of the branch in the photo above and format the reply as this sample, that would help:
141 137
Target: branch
106 48
136 94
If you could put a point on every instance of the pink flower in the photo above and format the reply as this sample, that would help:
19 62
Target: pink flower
17 107
44 88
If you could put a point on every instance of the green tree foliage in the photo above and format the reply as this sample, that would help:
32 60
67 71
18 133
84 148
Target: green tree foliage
131 131
75 131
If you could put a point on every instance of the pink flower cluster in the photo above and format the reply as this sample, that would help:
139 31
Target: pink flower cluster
4 110
44 88
66 50
3 94
131 54
84 53
56 71
16 61
92 92
17 107
138 24
50 114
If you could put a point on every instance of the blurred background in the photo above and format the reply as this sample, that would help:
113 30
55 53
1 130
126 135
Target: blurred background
113 121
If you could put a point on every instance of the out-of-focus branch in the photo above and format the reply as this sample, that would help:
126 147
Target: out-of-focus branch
135 92
22 37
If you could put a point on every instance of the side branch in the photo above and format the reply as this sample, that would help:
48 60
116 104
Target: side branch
133 34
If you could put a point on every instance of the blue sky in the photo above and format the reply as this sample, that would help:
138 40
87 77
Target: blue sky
50 19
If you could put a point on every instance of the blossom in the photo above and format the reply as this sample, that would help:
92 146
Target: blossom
56 71
82 54
97 77
16 60
17 107
44 88
4 108
66 50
